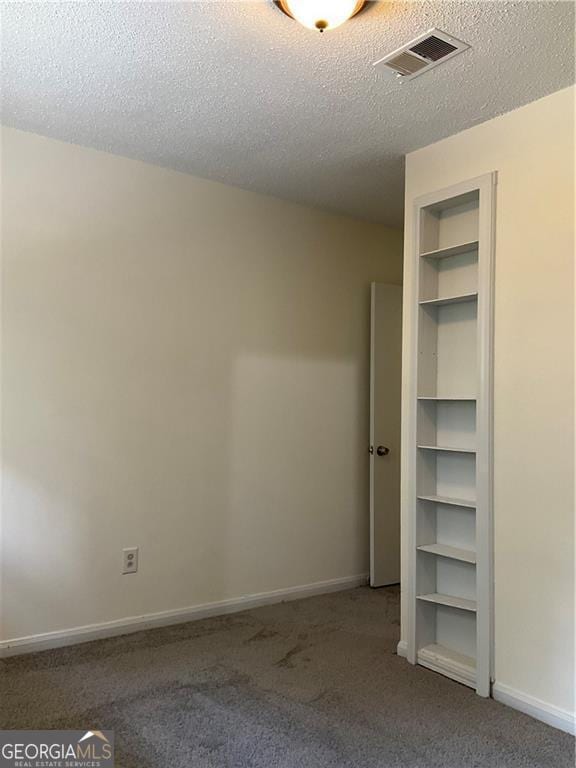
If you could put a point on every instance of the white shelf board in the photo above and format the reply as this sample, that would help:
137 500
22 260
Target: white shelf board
452 250
456 299
448 398
449 500
452 602
446 448
453 553
447 662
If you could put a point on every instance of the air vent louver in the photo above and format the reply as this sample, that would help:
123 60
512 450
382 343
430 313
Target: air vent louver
433 48
407 64
421 54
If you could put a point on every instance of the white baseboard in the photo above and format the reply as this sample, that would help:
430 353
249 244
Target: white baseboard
547 713
43 642
540 710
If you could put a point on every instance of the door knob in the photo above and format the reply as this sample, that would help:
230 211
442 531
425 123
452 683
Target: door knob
382 450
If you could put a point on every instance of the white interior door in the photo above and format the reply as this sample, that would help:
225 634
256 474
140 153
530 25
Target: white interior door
385 395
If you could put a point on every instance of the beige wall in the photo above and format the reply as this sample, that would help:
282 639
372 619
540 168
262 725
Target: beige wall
185 368
532 149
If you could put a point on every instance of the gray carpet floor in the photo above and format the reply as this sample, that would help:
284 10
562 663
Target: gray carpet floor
313 683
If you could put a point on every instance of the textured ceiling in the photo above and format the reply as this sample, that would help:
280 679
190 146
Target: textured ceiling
237 92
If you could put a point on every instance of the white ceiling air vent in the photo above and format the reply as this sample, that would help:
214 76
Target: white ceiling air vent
420 55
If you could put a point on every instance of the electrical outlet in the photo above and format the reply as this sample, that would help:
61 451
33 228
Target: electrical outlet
130 560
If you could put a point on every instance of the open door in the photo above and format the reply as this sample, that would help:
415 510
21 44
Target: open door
385 395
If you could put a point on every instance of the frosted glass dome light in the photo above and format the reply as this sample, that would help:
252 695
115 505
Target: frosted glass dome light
321 14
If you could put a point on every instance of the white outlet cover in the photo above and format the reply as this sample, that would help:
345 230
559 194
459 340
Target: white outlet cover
130 560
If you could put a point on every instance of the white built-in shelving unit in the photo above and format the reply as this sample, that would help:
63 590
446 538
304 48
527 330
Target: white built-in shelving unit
449 509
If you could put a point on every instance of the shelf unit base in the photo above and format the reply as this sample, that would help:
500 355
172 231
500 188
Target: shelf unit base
450 663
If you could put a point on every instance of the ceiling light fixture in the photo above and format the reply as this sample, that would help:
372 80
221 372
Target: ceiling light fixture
321 14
